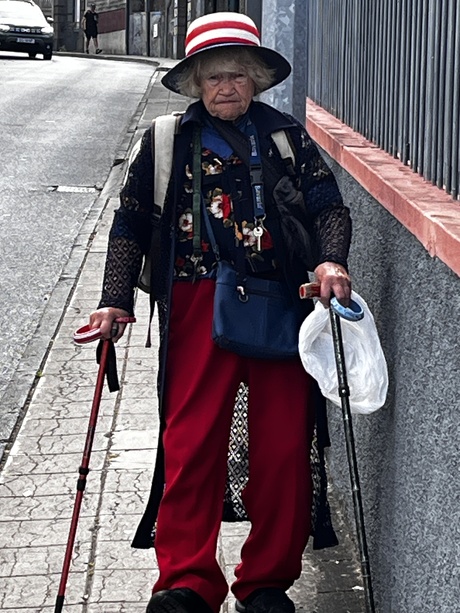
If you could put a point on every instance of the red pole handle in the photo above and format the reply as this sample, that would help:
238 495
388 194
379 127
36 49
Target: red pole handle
86 334
310 290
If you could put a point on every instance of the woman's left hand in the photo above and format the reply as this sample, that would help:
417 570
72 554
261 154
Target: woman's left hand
334 281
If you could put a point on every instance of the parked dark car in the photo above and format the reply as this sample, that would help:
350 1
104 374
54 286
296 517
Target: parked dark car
24 28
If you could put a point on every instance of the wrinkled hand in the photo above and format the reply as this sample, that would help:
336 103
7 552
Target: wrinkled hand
334 280
104 319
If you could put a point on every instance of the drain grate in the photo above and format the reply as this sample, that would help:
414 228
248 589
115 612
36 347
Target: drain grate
73 189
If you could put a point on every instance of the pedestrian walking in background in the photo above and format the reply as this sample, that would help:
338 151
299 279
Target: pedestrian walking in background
227 168
90 28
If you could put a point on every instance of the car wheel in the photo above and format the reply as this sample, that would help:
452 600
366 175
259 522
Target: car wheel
32 55
47 56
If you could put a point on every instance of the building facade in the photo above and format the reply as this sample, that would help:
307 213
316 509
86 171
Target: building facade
153 28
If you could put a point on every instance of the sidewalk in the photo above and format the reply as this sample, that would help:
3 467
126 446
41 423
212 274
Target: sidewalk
37 484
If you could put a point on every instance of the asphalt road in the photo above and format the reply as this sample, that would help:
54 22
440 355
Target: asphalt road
63 123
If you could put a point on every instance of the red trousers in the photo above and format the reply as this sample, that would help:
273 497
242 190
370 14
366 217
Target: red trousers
201 385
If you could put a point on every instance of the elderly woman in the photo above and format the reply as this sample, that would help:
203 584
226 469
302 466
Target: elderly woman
302 211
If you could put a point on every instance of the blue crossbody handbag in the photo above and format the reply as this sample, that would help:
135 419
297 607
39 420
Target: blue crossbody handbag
253 317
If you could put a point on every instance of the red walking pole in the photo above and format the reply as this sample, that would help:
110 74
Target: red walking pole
85 335
83 472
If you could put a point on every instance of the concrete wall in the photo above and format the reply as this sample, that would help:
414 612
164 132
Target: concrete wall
284 29
67 35
408 452
137 34
113 42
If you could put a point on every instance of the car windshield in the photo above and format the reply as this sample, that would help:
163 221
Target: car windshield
11 10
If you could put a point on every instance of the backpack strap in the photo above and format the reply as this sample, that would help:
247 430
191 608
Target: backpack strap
284 146
163 132
164 129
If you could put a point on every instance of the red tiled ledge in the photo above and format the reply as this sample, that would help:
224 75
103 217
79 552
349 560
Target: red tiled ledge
424 209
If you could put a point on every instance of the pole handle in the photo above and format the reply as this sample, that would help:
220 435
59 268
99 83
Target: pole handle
353 312
85 334
309 290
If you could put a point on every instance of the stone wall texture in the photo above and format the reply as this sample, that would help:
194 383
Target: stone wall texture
408 451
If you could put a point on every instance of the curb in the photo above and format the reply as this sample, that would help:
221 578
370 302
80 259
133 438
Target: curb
107 56
20 389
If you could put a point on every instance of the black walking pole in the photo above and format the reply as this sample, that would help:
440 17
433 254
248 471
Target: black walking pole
352 313
344 393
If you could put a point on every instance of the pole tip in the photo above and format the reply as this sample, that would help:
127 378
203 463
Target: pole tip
59 604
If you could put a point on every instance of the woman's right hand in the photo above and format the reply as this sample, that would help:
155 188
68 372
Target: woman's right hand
104 319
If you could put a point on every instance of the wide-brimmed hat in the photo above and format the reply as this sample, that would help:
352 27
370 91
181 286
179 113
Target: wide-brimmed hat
218 30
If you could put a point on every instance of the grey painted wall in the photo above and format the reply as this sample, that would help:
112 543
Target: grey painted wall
408 451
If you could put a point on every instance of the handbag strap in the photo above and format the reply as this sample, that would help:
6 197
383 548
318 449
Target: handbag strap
240 267
197 254
198 203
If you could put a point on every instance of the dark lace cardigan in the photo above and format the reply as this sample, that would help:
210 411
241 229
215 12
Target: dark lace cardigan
316 230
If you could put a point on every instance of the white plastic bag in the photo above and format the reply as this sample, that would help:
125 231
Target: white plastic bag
365 363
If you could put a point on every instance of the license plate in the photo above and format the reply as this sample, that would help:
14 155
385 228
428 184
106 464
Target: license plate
26 40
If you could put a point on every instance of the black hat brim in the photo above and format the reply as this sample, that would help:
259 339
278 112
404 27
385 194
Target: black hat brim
271 58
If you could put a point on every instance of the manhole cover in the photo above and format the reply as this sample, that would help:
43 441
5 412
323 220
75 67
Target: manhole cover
78 189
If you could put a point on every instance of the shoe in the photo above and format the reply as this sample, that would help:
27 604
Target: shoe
266 600
98 51
178 600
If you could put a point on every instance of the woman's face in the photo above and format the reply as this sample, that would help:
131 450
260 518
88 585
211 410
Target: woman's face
227 95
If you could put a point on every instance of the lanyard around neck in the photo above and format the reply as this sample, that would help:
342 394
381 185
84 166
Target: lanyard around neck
255 173
257 188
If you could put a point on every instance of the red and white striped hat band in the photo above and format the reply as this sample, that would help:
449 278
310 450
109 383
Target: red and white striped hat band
221 29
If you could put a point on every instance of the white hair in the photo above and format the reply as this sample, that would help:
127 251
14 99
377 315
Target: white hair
225 59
